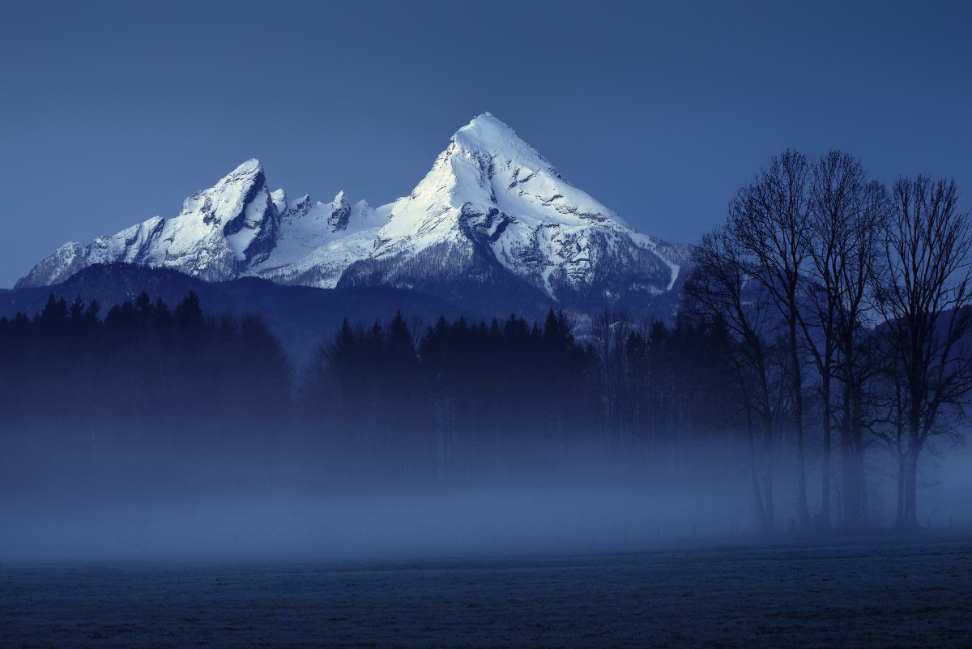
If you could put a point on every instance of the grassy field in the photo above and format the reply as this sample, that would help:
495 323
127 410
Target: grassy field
905 593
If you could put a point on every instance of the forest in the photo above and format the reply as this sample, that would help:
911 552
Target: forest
826 322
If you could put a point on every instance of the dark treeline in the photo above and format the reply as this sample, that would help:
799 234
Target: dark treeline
454 399
458 398
394 402
142 380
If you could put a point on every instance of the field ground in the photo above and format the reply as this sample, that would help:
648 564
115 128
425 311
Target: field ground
906 593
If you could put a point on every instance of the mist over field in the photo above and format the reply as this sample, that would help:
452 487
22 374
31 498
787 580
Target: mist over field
168 515
588 553
246 509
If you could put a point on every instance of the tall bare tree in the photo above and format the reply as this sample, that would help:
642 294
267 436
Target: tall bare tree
859 268
769 222
847 215
721 288
925 301
836 180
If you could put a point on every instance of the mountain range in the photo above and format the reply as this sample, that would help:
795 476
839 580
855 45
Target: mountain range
492 228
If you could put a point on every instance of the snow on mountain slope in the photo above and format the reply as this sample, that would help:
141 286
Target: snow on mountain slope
489 194
492 210
218 232
487 166
236 228
318 241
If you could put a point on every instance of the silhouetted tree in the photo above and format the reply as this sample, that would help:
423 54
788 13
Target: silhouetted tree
769 223
925 300
720 290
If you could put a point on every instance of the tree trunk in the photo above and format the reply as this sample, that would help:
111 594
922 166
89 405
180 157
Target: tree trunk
823 523
857 448
849 479
899 515
803 508
909 519
767 422
854 506
850 501
909 514
769 515
754 466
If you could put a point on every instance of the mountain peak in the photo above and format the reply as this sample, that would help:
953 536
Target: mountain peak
341 212
225 200
486 121
248 174
488 134
249 167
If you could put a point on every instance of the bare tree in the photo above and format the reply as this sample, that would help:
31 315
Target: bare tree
859 267
925 301
834 181
769 223
847 212
720 288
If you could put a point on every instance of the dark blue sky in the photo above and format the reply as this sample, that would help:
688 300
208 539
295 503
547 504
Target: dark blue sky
112 112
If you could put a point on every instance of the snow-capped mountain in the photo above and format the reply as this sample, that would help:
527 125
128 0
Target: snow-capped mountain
492 203
236 228
492 211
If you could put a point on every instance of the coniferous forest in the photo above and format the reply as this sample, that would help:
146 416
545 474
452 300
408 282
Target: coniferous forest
146 387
